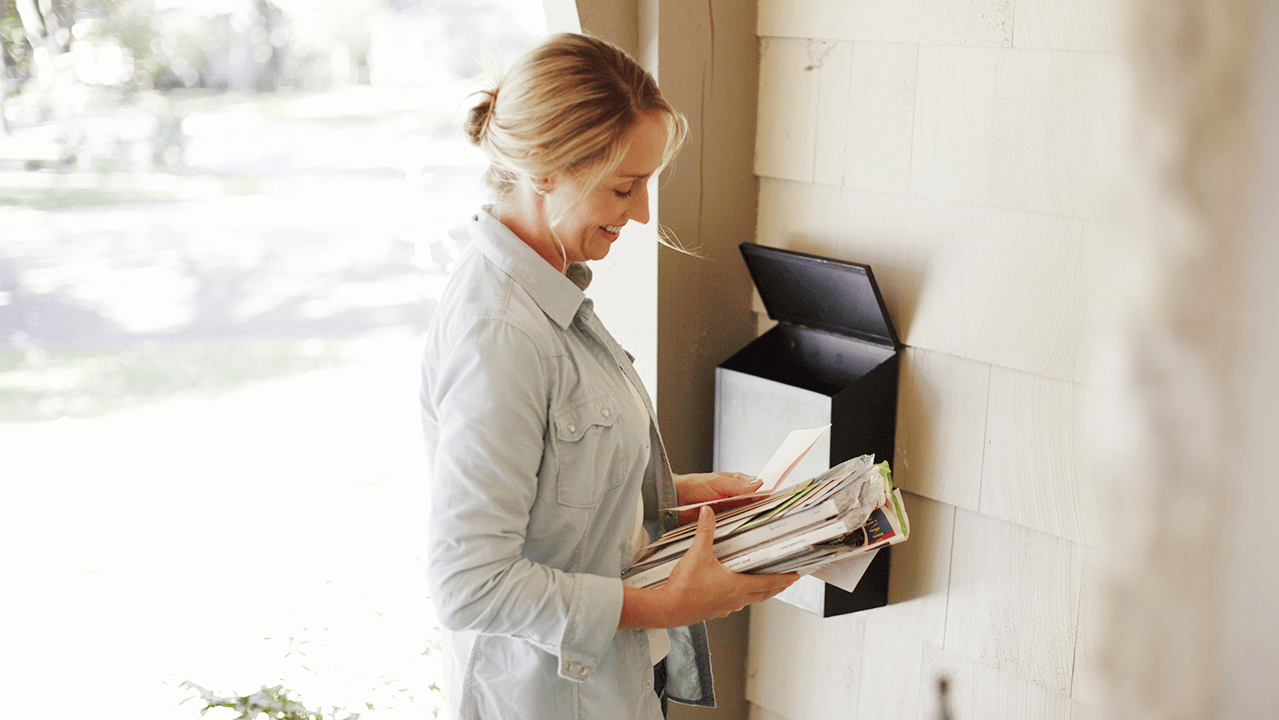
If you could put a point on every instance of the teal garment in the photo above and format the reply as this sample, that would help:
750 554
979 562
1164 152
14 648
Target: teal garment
538 459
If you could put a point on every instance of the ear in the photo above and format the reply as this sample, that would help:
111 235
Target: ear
544 185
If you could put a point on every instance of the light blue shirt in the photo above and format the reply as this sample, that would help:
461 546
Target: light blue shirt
538 460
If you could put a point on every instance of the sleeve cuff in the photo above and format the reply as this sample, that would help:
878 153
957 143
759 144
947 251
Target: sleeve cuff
593 616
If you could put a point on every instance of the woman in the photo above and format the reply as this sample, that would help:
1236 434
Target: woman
548 469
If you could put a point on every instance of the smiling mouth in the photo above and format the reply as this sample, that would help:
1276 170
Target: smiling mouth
612 229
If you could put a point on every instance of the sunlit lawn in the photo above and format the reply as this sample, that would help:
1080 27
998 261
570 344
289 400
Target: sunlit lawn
266 533
38 384
53 191
231 512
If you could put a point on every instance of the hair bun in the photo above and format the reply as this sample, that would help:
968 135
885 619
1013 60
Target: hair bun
478 118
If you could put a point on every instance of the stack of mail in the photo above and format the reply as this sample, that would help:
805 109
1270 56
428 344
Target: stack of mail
846 512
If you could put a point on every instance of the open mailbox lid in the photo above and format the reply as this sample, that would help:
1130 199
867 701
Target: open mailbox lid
832 295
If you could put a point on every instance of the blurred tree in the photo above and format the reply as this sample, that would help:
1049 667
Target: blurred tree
47 23
13 38
274 38
82 51
341 28
34 33
133 24
12 41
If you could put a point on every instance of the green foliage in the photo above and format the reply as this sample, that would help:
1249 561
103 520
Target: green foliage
13 40
274 702
130 22
380 696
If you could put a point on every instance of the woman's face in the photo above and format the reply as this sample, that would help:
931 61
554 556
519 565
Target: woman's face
590 228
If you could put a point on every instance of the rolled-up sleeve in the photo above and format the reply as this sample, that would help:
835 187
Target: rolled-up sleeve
488 400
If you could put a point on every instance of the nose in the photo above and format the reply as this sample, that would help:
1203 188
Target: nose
638 210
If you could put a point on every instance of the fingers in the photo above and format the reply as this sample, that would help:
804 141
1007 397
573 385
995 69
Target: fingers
764 587
706 519
767 583
771 590
774 584
706 588
704 537
726 484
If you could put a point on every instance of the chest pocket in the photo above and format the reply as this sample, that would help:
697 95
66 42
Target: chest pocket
591 450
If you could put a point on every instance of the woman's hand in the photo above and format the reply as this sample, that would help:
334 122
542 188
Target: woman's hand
700 487
703 487
699 587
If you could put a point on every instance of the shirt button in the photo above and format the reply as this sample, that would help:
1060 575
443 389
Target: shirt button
571 428
581 670
604 412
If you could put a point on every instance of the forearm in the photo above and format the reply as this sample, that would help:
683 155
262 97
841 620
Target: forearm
644 608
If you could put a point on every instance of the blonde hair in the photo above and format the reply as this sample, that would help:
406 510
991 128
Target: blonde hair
563 108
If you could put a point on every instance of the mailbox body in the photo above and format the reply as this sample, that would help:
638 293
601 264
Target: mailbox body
832 359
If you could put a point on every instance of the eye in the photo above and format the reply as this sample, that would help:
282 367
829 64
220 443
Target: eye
628 189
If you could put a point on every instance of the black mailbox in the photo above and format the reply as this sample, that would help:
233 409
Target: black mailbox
831 359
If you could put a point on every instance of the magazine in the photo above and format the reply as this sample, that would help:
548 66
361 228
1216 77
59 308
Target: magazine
849 511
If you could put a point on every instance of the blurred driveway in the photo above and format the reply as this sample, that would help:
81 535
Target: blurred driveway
352 233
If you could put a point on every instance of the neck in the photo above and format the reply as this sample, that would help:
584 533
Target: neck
524 213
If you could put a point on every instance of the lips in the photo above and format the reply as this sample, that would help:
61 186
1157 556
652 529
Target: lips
611 229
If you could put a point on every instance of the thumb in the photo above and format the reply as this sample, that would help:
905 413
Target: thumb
704 537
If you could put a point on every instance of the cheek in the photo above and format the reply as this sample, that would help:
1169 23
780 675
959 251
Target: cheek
603 208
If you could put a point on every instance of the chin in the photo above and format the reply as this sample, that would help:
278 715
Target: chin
598 253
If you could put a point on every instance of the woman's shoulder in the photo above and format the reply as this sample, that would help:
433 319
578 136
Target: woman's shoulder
480 295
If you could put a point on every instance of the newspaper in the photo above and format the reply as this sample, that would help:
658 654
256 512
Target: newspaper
847 512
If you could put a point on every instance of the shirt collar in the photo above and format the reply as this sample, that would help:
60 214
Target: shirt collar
557 295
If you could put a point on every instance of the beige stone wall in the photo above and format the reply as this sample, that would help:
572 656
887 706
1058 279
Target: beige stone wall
1076 238
963 151
1054 195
